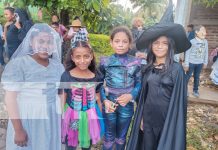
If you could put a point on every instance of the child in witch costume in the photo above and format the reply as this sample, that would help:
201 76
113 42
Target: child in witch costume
122 75
160 119
82 120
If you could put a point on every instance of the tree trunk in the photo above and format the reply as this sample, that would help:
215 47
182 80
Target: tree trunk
64 17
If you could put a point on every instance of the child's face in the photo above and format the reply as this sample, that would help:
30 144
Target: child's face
201 33
160 47
120 43
54 18
76 29
140 26
43 45
82 57
8 15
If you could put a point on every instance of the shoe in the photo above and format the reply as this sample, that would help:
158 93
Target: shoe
196 94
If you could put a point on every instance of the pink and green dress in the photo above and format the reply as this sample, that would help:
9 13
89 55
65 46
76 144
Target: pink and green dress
82 122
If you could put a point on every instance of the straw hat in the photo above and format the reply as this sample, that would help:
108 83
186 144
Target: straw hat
76 23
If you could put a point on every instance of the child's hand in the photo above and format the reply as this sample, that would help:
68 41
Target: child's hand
186 69
110 106
21 138
124 99
17 24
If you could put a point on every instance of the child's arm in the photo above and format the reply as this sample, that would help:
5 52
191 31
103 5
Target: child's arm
102 72
63 97
126 98
99 101
20 137
187 53
107 103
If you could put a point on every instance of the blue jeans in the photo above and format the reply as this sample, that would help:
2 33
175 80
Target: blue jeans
196 69
117 125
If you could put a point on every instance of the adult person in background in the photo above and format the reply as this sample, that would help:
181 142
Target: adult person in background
62 30
77 28
55 26
1 47
137 29
17 25
9 16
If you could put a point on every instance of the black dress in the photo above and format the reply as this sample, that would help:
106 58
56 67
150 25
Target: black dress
162 106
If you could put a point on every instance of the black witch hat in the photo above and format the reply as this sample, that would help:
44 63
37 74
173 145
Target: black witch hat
165 27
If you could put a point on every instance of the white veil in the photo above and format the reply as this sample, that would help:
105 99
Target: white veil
25 47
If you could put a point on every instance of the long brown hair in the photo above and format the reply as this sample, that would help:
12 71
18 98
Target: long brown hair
69 62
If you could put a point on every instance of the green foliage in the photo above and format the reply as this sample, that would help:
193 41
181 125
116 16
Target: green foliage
99 16
150 8
88 10
113 16
150 21
101 45
2 18
207 3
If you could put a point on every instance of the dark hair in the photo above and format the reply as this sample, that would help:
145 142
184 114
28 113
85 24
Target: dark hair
198 27
191 26
70 64
11 9
121 29
55 24
151 58
76 17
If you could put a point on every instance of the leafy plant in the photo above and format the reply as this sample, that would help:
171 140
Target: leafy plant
207 3
101 45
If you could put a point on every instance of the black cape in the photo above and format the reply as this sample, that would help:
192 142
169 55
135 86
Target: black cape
173 136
